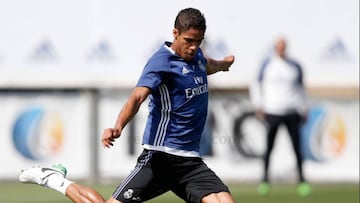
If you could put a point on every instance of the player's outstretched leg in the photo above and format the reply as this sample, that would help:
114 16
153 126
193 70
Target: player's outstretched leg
54 178
44 176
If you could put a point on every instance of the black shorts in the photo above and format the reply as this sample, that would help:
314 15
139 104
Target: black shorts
157 172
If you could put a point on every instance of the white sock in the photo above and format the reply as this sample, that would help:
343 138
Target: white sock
58 183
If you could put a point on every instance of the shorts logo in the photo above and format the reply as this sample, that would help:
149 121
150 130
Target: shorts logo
128 194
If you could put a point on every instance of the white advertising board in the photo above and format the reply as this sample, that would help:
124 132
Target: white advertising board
330 141
43 128
40 128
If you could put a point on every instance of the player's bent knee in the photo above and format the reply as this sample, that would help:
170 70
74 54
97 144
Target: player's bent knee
221 197
112 200
79 193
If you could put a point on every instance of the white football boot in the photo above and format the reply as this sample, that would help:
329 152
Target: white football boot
39 175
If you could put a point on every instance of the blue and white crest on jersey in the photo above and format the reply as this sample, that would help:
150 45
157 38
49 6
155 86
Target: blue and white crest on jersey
201 65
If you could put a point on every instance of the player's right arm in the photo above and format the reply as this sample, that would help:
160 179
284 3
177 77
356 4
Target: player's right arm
128 111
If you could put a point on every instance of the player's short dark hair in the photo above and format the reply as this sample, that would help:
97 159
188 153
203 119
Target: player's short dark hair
190 18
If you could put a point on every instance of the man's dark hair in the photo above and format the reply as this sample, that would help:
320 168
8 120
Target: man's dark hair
190 18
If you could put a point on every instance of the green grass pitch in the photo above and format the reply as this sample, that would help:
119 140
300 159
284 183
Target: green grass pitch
13 192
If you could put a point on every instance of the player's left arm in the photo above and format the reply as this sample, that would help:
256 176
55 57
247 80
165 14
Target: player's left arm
214 65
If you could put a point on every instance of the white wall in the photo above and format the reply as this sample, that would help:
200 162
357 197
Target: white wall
105 43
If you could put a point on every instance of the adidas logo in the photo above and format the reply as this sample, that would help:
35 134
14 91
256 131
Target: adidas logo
185 70
45 51
336 51
101 52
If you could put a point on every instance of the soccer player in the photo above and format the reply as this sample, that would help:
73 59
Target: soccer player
175 81
279 97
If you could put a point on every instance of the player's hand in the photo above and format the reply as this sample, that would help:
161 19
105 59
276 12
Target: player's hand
227 62
260 114
109 136
304 118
